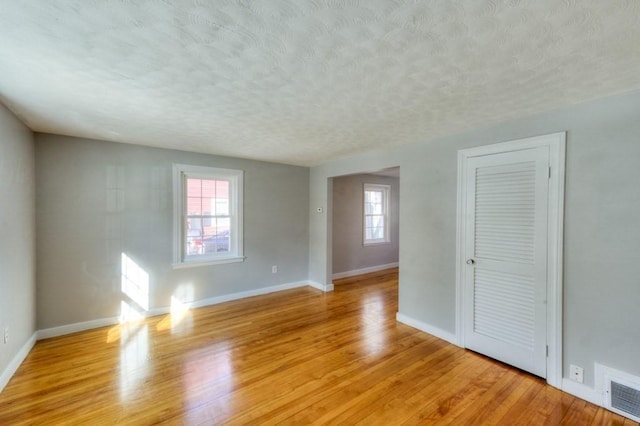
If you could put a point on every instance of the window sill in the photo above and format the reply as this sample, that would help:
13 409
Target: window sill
207 262
375 243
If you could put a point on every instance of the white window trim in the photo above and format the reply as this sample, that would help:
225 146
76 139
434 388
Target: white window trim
386 193
236 178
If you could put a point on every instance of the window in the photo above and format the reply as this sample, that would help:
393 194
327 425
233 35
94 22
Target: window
207 215
376 214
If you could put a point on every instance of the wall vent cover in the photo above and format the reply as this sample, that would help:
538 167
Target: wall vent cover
625 399
621 391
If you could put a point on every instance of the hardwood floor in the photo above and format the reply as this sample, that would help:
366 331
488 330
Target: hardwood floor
295 357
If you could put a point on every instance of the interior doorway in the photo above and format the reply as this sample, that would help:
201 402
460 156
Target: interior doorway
365 222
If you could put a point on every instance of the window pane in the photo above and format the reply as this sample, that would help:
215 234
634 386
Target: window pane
194 246
194 227
194 187
222 189
223 224
208 205
375 213
373 196
222 198
368 234
218 241
209 226
373 202
374 227
207 223
373 221
368 208
208 198
222 206
194 206
378 233
208 188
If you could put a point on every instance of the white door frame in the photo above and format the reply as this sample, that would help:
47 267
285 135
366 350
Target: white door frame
557 146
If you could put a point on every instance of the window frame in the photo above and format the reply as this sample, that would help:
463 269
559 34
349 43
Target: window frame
386 195
181 172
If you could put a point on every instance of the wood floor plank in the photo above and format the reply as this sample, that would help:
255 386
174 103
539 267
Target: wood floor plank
549 406
279 407
299 356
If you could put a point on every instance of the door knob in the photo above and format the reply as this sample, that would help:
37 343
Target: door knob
470 261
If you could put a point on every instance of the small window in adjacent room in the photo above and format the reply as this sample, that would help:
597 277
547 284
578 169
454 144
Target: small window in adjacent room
376 214
207 215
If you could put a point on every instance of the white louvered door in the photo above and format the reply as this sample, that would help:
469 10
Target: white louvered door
506 249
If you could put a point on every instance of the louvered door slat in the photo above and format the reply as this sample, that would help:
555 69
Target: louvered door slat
503 307
496 206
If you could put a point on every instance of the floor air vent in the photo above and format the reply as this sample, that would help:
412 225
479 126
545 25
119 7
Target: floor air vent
621 391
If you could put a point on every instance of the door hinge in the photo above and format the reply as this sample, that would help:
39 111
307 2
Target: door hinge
549 172
547 351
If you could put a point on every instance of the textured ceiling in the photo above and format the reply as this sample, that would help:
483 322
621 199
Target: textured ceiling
303 82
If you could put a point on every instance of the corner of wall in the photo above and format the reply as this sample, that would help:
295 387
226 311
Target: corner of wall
17 227
17 360
427 328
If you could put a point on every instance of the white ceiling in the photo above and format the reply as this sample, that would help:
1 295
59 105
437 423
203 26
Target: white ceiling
303 82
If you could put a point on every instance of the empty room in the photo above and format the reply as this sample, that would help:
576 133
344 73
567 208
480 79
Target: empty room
319 212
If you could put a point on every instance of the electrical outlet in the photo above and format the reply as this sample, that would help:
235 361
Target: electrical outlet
274 269
576 373
6 335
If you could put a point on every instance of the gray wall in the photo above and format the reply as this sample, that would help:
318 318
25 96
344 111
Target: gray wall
349 254
602 233
17 236
97 199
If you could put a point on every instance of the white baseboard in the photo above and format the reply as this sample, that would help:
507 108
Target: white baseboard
321 287
569 386
422 326
582 391
245 294
75 327
8 373
364 270
103 322
574 388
